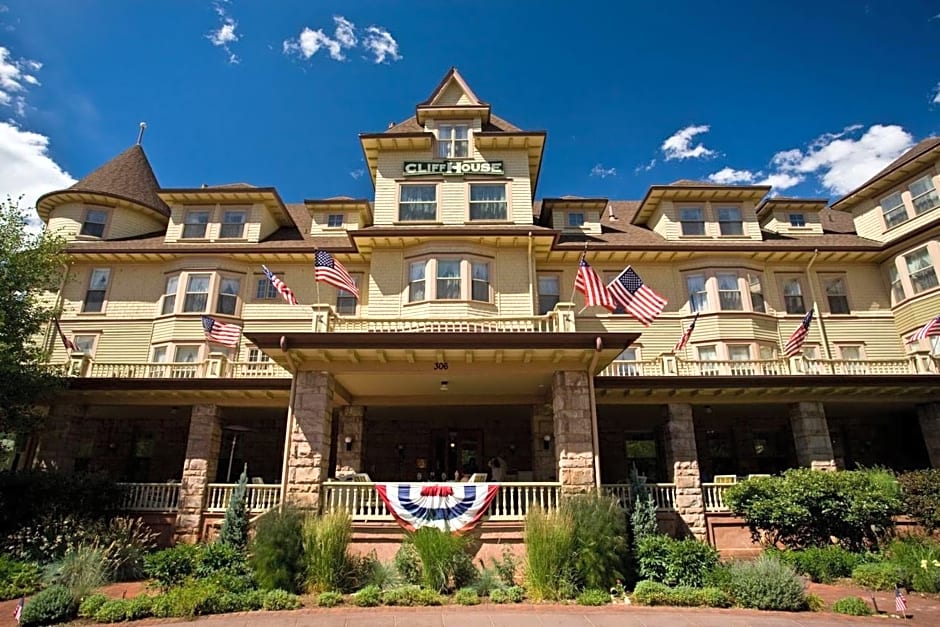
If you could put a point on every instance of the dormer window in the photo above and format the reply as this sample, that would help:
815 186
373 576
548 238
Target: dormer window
923 195
334 220
797 219
233 224
692 220
195 223
453 141
93 225
894 210
575 219
729 221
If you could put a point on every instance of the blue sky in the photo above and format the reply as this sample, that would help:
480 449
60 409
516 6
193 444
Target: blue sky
812 97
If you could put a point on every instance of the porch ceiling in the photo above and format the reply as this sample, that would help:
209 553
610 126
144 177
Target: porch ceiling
261 392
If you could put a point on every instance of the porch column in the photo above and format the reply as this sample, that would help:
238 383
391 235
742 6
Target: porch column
199 469
310 425
811 435
682 458
574 445
543 453
929 417
350 426
56 451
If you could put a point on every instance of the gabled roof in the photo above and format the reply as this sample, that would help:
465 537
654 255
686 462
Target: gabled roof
452 76
920 155
127 177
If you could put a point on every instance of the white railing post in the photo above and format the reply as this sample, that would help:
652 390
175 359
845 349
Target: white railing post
215 365
322 315
565 315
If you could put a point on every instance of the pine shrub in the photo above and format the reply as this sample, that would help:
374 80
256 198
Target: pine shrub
234 530
852 606
277 551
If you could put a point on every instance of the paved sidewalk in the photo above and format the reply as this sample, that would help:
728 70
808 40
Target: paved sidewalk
529 616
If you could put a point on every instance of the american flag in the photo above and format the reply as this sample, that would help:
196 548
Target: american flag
685 336
637 299
280 286
931 328
70 346
795 344
588 283
331 271
900 603
221 333
18 610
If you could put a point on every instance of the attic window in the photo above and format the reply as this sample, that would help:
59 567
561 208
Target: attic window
453 141
797 219
575 219
93 226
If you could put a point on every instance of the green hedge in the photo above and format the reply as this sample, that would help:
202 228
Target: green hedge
920 492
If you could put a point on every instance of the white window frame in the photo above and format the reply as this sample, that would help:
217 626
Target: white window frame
103 290
709 297
448 146
223 297
485 281
89 224
344 298
735 225
335 220
168 300
797 220
230 234
698 298
898 292
478 204
894 213
88 339
930 192
928 270
574 219
801 284
699 223
190 221
190 277
416 278
414 203
827 282
721 292
438 262
544 296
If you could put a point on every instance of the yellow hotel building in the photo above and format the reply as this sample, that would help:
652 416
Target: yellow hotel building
469 342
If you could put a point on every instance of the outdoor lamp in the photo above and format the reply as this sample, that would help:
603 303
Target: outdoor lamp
348 441
546 441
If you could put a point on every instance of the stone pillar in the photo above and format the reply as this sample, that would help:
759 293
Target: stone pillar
573 443
56 451
682 458
543 457
929 417
350 426
199 470
811 435
310 439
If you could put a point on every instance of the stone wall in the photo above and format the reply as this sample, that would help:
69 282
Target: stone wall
350 425
811 435
574 443
682 458
202 454
544 466
310 437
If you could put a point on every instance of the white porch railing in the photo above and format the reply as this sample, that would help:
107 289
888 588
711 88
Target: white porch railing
526 324
146 370
260 497
514 499
256 369
664 494
734 368
150 497
624 368
713 493
852 366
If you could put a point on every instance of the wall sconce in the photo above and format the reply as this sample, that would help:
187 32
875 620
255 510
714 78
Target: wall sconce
401 450
512 448
453 439
348 441
443 386
708 409
546 441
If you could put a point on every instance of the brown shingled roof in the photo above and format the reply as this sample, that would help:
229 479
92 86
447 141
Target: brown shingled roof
127 176
920 148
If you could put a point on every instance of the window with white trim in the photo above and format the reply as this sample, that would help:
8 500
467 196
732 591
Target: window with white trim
480 281
334 220
448 279
169 294
708 354
453 141
797 219
893 210
549 292
739 352
227 301
920 270
836 296
692 220
729 292
97 290
94 223
265 290
935 344
488 201
233 224
923 195
197 293
793 296
850 352
729 221
195 224
85 343
416 281
417 203
698 292
897 287
346 303
757 292
574 219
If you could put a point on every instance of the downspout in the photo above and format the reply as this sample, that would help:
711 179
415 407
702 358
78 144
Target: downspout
819 317
290 424
531 265
598 346
47 339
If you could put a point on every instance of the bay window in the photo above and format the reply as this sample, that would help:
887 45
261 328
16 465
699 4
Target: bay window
923 195
94 223
488 201
893 210
725 290
757 293
197 293
897 287
793 296
169 295
729 293
198 288
195 224
920 270
480 281
729 221
97 289
416 283
448 279
708 354
417 203
453 141
698 294
227 301
692 220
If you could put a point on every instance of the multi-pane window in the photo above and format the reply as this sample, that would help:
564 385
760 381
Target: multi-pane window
793 296
453 141
195 223
851 352
448 279
265 290
698 294
729 294
757 293
920 270
93 225
85 344
169 294
923 195
549 292
184 356
227 301
897 288
487 201
480 281
574 219
159 354
197 293
729 221
797 219
836 295
692 220
893 209
233 224
416 282
346 302
709 355
97 288
417 203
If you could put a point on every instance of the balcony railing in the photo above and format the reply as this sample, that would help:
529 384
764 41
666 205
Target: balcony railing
146 370
664 494
260 497
670 365
713 493
150 497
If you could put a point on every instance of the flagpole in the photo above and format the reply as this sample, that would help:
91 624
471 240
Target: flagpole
819 318
578 269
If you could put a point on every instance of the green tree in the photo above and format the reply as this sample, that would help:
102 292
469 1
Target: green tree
234 530
31 268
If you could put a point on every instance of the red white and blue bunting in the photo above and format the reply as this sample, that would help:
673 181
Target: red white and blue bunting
452 507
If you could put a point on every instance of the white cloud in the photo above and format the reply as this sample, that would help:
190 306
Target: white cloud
13 74
843 162
781 181
730 176
679 145
357 174
310 41
345 32
381 44
936 95
225 34
645 168
600 171
26 168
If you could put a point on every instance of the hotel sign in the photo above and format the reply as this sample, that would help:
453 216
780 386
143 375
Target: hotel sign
453 168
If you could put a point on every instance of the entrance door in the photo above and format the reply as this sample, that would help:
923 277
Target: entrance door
456 449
